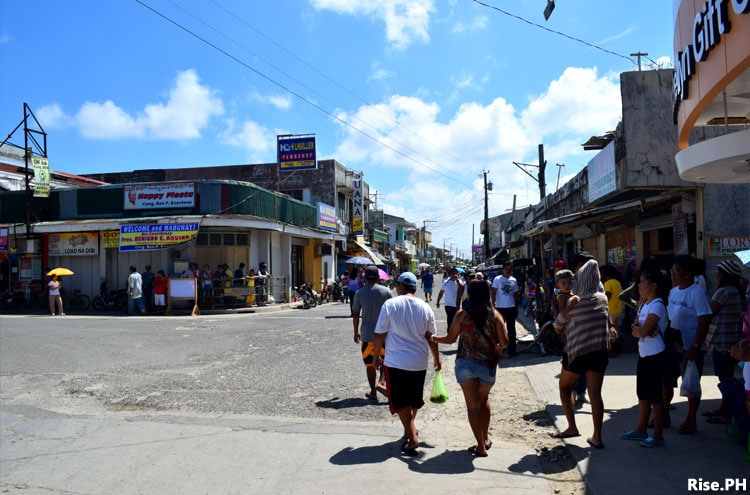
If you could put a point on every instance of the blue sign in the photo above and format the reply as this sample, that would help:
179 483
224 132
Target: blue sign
296 153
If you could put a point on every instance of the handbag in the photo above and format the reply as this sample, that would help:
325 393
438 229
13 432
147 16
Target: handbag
691 382
439 391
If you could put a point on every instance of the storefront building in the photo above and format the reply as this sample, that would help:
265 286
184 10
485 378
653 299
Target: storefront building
99 232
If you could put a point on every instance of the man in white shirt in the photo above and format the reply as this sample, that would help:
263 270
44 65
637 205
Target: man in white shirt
406 325
505 294
452 288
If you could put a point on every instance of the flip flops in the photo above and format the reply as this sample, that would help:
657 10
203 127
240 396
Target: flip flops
561 435
473 450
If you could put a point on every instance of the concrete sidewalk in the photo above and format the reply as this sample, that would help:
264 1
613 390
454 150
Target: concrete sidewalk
624 466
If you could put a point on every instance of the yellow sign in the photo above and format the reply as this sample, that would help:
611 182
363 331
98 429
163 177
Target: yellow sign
110 239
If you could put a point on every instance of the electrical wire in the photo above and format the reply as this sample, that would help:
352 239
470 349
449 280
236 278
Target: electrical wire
303 98
540 26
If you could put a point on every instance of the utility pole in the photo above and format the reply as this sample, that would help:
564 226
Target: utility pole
424 238
542 167
487 187
639 55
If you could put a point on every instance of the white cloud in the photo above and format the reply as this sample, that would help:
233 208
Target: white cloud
187 111
446 153
406 21
478 23
255 139
53 117
282 102
378 73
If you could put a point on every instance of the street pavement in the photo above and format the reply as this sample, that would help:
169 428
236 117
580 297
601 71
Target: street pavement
143 453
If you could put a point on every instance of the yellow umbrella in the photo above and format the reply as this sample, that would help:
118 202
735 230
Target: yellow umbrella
59 271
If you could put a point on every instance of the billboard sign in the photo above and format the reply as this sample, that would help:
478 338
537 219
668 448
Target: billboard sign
295 153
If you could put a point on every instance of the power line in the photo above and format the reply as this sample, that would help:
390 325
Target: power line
540 26
299 96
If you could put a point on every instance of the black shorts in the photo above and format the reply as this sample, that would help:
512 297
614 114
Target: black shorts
405 388
596 361
650 377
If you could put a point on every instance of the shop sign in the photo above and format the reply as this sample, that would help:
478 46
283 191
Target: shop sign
709 24
74 244
41 177
148 237
601 172
152 196
110 239
720 246
327 217
295 152
358 220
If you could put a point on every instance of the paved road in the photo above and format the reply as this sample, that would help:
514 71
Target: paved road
261 403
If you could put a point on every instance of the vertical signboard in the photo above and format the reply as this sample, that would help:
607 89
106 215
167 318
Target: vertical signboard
358 205
3 239
41 177
296 152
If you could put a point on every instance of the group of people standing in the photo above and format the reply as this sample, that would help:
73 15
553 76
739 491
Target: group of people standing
147 291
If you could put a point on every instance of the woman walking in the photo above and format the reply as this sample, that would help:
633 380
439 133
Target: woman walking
482 336
586 323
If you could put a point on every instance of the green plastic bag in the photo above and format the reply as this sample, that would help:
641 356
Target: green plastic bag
439 391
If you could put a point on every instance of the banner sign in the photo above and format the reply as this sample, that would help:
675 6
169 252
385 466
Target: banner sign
728 244
110 239
3 239
150 196
327 217
149 237
358 220
602 176
296 153
74 244
41 177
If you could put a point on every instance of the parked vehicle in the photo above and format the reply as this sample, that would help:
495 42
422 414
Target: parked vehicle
77 302
337 292
109 300
307 295
325 293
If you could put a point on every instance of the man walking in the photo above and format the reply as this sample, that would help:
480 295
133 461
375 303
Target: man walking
135 291
453 290
505 294
427 280
366 307
405 326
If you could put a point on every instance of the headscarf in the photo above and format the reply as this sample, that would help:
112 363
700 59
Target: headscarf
588 279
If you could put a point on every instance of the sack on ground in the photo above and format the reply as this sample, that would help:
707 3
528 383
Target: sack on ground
439 391
691 382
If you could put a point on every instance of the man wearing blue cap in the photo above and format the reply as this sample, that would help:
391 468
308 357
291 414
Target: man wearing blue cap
403 324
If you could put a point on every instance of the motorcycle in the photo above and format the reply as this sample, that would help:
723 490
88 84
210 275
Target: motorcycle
109 300
325 293
337 292
307 295
11 302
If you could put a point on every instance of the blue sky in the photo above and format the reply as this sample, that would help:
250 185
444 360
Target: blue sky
421 95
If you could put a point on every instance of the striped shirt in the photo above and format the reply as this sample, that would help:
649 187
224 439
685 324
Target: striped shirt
587 328
726 328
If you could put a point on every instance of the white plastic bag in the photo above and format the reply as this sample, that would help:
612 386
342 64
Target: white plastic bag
691 382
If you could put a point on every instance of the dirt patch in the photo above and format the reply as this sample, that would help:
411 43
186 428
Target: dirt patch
520 417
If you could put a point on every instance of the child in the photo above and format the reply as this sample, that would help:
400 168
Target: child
160 292
649 329
563 293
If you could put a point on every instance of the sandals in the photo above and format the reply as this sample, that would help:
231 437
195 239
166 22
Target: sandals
718 420
474 451
687 428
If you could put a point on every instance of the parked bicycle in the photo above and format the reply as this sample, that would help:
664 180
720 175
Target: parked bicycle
78 302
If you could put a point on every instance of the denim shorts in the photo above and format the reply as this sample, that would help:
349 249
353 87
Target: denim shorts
467 371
